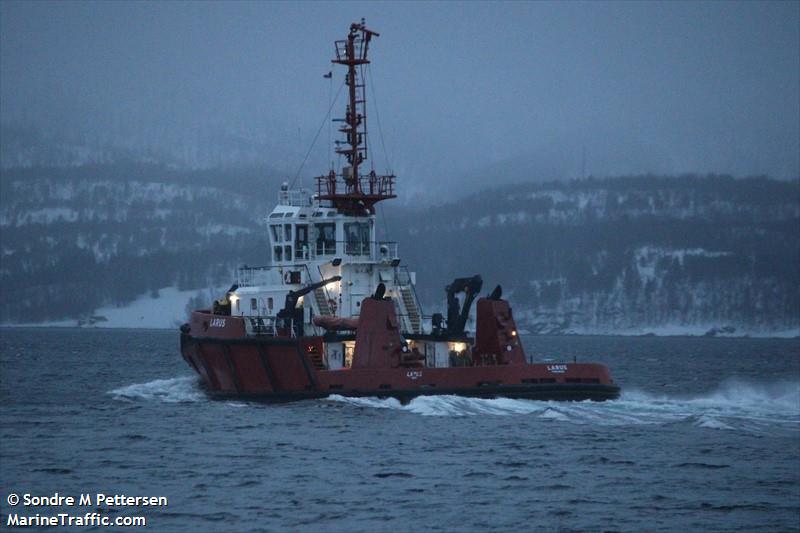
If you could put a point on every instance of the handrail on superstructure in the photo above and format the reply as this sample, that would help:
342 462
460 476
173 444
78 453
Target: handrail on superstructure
381 251
407 282
333 185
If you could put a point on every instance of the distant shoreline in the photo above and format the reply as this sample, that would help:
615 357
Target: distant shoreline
782 335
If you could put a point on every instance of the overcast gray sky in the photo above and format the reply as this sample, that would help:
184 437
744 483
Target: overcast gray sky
462 88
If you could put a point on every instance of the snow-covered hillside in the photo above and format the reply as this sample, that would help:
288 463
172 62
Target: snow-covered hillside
635 255
161 309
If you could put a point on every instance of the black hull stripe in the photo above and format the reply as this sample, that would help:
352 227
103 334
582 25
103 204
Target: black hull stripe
211 376
268 369
530 392
309 374
227 352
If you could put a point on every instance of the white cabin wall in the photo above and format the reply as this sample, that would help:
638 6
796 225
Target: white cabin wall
441 356
334 354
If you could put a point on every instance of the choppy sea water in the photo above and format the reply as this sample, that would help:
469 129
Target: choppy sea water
706 437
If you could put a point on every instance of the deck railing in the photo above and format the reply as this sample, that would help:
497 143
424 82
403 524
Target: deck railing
260 275
371 184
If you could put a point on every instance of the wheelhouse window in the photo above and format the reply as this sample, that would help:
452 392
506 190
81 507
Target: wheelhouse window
276 233
326 239
301 241
287 233
277 253
253 304
287 252
356 235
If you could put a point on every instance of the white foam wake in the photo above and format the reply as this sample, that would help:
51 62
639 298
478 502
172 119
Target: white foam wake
175 390
735 405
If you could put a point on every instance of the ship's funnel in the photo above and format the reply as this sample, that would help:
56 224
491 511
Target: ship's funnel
496 338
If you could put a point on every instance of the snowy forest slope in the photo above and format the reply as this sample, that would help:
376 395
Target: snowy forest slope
596 255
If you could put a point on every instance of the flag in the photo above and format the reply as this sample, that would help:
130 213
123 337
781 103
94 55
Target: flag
328 75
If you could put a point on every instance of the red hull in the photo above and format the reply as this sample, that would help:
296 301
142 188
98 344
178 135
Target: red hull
284 369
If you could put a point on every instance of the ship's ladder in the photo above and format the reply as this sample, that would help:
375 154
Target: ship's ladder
316 360
323 306
412 311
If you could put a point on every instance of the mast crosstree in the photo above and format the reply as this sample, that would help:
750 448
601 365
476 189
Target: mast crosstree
350 191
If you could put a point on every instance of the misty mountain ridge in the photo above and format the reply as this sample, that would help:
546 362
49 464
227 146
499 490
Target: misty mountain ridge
218 148
238 159
583 256
561 158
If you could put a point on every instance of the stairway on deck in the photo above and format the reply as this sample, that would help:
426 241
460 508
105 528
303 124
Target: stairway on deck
322 302
316 360
411 309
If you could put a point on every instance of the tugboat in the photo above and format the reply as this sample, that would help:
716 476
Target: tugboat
335 312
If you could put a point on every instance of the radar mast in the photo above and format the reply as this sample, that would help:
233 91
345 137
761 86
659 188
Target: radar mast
350 191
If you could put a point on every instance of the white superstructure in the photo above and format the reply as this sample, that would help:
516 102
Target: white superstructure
310 242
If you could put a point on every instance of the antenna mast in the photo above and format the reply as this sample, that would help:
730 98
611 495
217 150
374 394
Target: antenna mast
360 192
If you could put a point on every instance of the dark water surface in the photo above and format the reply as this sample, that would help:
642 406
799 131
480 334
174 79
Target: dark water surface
706 437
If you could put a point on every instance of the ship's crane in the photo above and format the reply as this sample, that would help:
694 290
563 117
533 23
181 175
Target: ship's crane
457 319
290 313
